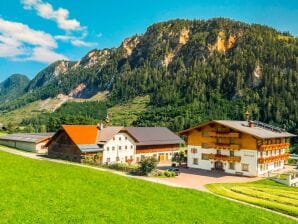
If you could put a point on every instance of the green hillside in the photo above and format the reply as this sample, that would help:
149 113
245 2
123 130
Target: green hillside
34 191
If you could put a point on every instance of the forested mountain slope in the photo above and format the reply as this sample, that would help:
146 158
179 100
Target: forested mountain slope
12 87
192 70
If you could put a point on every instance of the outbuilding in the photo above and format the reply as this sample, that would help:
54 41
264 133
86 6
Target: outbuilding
32 142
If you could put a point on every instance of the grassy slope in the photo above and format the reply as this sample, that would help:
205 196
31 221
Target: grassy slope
126 113
16 116
43 192
265 193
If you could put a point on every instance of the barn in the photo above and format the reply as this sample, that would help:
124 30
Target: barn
76 143
32 142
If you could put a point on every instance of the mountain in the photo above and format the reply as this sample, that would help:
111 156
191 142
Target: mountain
12 87
191 70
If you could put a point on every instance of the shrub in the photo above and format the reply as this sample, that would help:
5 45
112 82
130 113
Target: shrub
147 165
124 167
169 174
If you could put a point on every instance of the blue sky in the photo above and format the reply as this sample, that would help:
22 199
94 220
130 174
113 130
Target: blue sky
34 33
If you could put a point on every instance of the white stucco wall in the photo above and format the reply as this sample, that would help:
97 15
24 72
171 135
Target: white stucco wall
247 157
123 140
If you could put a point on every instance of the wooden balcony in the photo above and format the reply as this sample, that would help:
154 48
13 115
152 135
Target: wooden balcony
274 146
223 146
223 134
224 157
273 158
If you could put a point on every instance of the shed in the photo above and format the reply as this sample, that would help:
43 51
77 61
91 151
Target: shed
32 142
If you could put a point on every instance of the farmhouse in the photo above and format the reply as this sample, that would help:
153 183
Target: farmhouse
158 142
33 142
113 144
248 148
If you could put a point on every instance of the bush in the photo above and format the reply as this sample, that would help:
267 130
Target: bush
169 174
133 169
147 165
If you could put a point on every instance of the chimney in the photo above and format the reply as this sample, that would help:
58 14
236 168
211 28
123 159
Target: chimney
247 115
251 124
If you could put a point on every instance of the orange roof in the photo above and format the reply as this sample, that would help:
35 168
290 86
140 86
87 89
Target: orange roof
82 134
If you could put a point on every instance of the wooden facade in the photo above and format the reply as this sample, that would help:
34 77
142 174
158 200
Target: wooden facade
62 147
156 148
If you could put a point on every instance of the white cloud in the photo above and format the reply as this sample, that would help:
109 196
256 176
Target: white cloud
76 41
46 55
19 42
60 16
20 31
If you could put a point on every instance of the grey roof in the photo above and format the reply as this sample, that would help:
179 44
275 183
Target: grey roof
153 136
108 133
262 131
27 137
257 131
90 148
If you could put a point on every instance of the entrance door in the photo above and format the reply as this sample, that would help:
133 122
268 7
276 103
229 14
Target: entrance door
218 165
161 157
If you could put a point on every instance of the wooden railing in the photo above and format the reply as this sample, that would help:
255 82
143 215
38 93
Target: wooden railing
273 158
224 157
274 146
223 146
223 134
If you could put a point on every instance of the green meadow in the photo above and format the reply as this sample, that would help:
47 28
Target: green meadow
265 193
34 191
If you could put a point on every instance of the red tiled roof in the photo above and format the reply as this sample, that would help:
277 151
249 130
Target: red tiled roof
82 134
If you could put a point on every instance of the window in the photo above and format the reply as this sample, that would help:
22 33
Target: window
195 161
205 133
125 158
117 158
119 147
113 148
245 167
114 138
108 160
232 153
205 156
194 150
119 138
232 166
131 146
217 151
125 138
108 148
232 141
126 147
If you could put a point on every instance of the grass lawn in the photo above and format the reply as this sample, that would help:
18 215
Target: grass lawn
265 193
34 191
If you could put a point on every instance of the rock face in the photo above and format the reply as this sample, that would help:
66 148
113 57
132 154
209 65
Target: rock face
223 43
257 76
129 44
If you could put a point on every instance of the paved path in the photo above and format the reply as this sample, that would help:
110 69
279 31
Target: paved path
174 182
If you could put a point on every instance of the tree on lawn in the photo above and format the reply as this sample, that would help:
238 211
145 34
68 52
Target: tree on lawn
147 165
179 157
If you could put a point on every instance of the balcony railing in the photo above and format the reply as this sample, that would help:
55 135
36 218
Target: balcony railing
274 146
223 146
223 134
224 157
273 158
